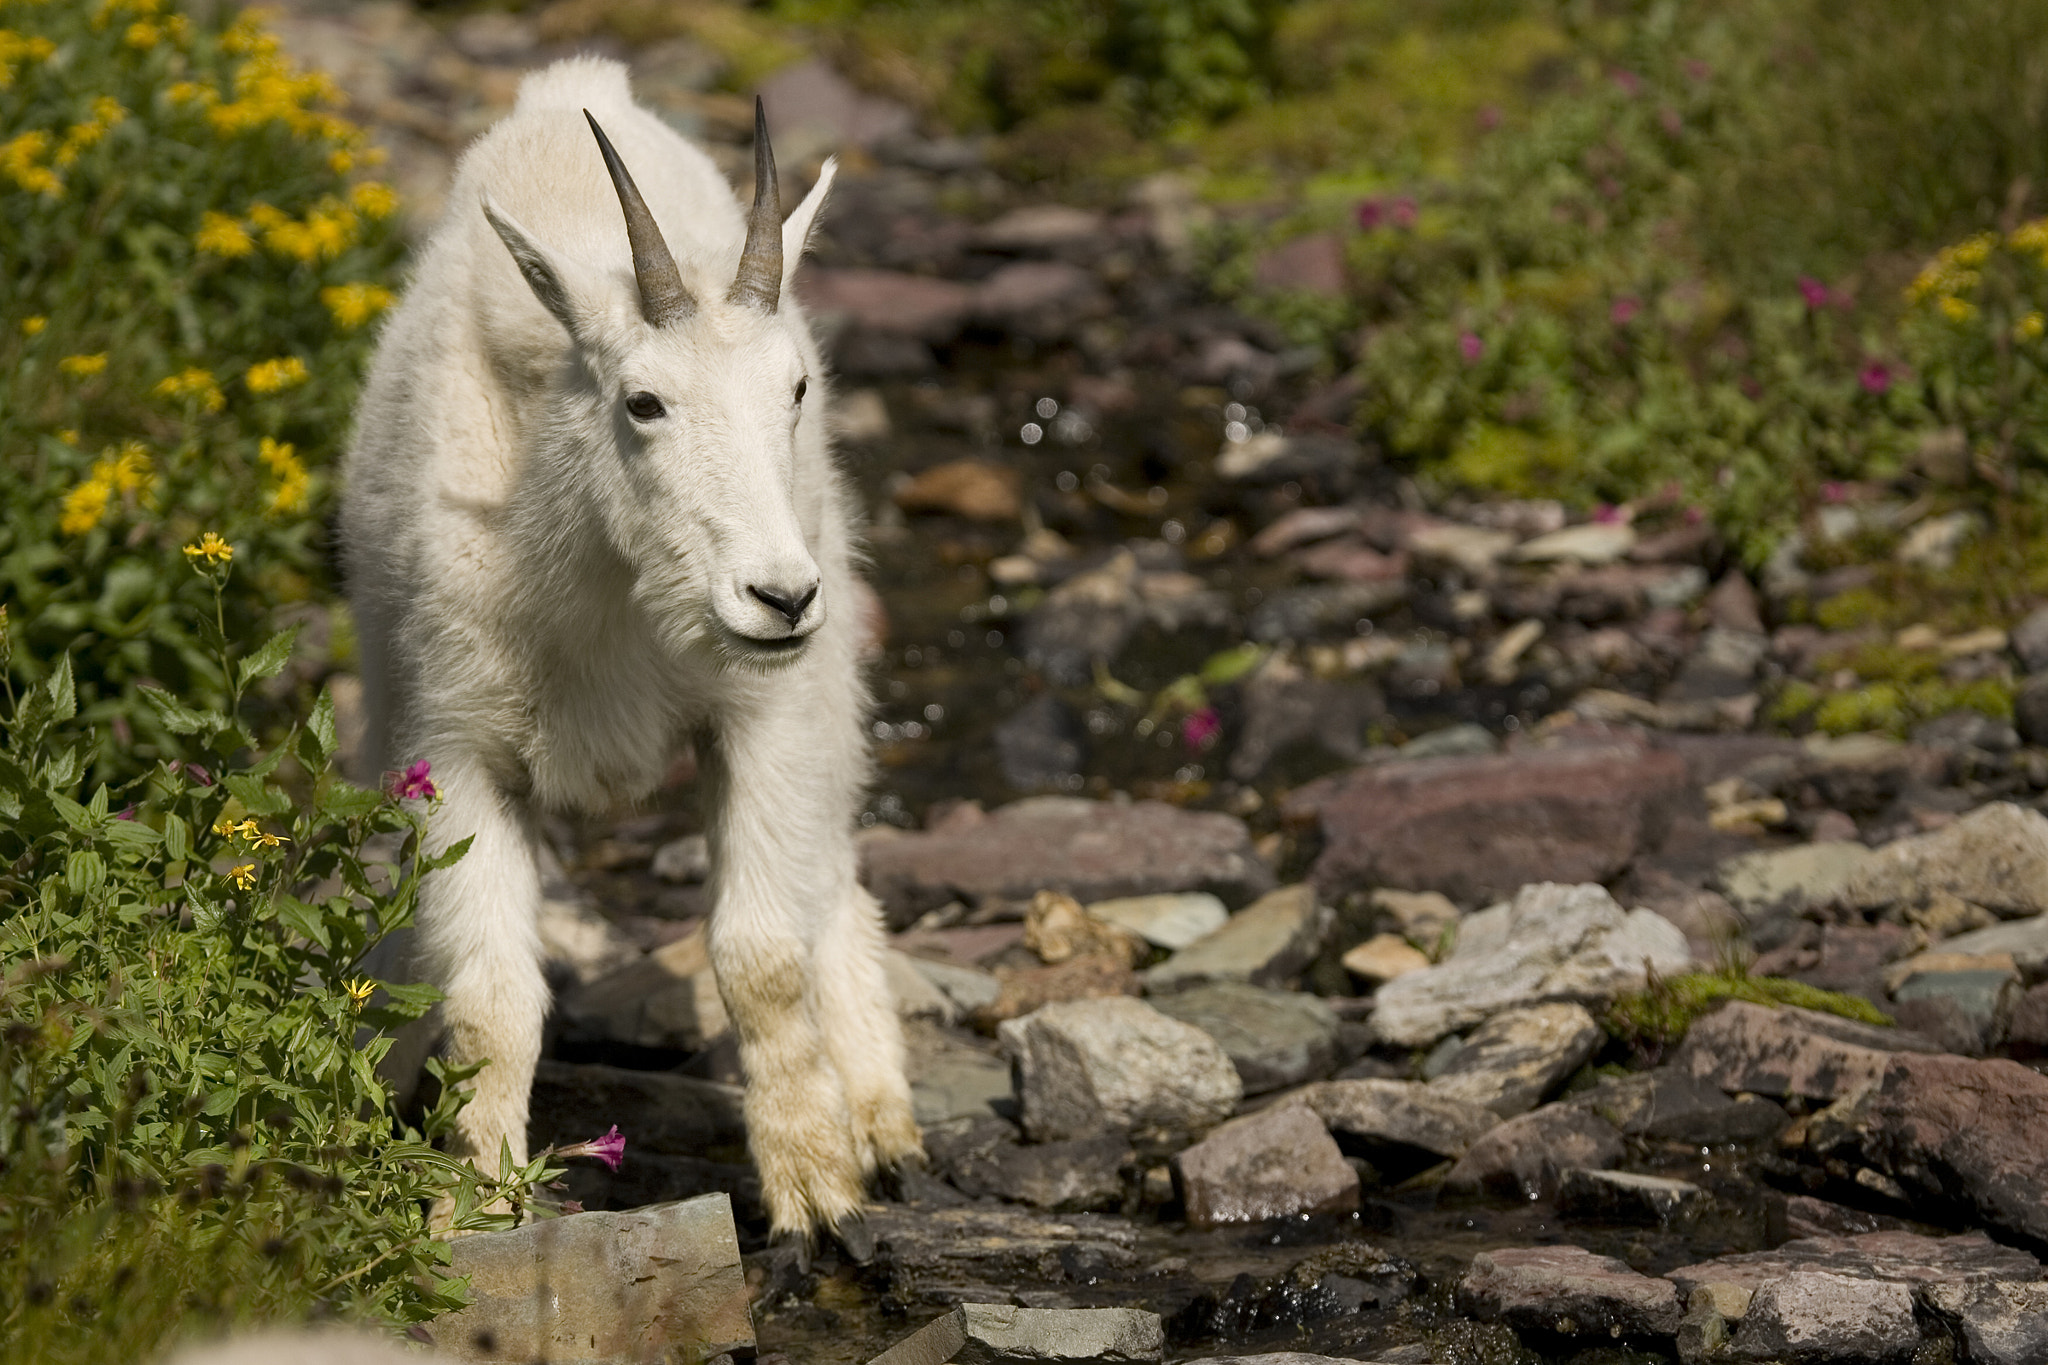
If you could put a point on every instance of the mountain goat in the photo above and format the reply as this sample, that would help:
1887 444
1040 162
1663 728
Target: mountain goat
592 516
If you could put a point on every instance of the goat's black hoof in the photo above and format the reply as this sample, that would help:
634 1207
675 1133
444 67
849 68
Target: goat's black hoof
793 1250
855 1238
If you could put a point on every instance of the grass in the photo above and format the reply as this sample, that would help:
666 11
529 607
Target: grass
1656 1019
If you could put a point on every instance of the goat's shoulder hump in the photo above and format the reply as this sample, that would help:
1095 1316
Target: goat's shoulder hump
574 83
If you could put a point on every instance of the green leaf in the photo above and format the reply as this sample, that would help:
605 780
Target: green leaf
320 725
176 717
339 800
177 838
302 919
63 697
130 834
269 659
257 796
84 871
448 857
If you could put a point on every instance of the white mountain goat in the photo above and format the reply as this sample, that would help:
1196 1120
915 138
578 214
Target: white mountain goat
591 517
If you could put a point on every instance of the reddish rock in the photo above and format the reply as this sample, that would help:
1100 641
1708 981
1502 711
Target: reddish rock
1092 850
2027 1035
1036 292
964 488
1278 1163
1479 827
1525 1157
1310 265
1906 1257
890 301
1785 1051
1567 1290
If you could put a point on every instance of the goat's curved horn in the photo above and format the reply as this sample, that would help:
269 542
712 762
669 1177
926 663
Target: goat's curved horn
760 278
663 296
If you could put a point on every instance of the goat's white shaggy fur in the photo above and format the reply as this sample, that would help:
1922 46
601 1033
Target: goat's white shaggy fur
553 597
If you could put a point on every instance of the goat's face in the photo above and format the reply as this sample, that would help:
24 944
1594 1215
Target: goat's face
693 409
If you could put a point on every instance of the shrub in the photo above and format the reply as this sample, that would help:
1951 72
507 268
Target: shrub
191 275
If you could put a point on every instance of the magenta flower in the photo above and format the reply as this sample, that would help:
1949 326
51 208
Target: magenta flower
1629 82
1814 292
1875 377
1199 729
1489 118
1606 514
1471 347
128 814
1668 117
1404 212
1694 516
610 1149
1624 310
1834 492
1371 212
1697 69
199 774
413 783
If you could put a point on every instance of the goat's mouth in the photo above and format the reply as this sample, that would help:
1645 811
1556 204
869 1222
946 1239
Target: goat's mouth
754 649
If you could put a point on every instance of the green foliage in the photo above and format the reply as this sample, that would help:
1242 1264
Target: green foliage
1656 1018
189 277
192 1133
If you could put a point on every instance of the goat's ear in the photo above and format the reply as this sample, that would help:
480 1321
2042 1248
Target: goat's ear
796 229
554 279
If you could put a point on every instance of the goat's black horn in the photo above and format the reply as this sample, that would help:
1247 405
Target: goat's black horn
663 296
760 277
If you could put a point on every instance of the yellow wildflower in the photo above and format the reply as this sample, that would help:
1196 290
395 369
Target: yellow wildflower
355 304
129 470
359 992
210 548
341 161
34 326
2031 326
18 161
193 92
83 366
220 235
106 112
1955 309
270 376
68 435
225 828
247 37
84 506
244 875
143 34
14 47
292 479
193 383
375 198
261 837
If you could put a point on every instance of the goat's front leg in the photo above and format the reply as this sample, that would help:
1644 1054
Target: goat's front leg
479 941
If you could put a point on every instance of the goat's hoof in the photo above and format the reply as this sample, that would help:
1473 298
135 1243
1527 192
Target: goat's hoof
793 1249
855 1238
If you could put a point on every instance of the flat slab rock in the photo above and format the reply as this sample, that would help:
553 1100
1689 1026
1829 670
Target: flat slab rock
945 1256
1513 1060
1091 850
1397 1114
1995 857
1567 1290
1477 827
1277 1163
1267 944
1088 1067
2001 1324
1968 1258
998 1334
1815 1316
603 1288
1274 1038
1786 1051
1526 1157
1624 1197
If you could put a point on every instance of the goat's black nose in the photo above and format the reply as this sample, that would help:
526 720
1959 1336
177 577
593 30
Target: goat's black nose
792 608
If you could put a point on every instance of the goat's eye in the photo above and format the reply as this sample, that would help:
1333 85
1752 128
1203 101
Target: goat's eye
802 387
645 406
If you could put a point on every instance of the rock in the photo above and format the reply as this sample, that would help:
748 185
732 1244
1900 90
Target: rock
1952 1132
1286 705
1271 458
1671 1105
951 1077
1307 265
1092 850
1966 1011
1275 1039
941 1255
1369 1114
1172 921
665 999
1568 1291
1383 957
2030 640
1624 1197
2026 941
1592 542
1087 1067
997 1334
1333 608
1042 299
968 988
810 99
1996 857
1905 1257
2000 1324
1277 1163
890 302
1040 227
1723 665
1732 605
982 1157
1453 741
1474 550
1811 1317
302 1346
1418 916
1510 1062
974 489
917 995
860 416
1525 1157
2030 709
2027 1035
1477 827
577 943
1933 543
1085 621
1267 943
603 1287
1791 879
683 860
1550 943
1787 1051
1966 730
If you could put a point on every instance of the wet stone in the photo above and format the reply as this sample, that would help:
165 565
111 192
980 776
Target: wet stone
1275 1039
1274 1164
1088 1067
1788 1051
1567 1291
1908 1257
1267 943
1525 1157
951 1077
983 1157
1370 1115
1510 1062
998 1334
1624 1197
947 1255
2000 1324
1333 1283
1814 1318
1674 1106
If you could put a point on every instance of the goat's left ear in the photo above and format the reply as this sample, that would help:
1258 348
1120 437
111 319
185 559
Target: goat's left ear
563 288
796 229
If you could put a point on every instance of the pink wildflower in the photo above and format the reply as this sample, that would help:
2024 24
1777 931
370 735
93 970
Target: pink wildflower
1471 347
1875 377
1672 124
1697 69
1489 118
1694 516
1404 212
128 814
413 784
1198 729
1814 292
1606 514
610 1149
1834 492
1624 310
1371 212
1628 81
199 774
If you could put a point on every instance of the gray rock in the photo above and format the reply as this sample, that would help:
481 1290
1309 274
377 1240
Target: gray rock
1087 1067
1675 1106
2030 709
1787 1051
1277 1163
950 1076
1995 857
917 995
1552 942
1624 1197
1967 1011
2000 1324
1335 608
940 1256
1377 1113
664 999
606 1288
1525 1157
982 1157
1513 1060
998 1334
1285 705
1791 879
1813 1318
1569 1291
1092 850
1267 943
683 860
1966 729
1452 741
2027 1035
1724 665
1275 1039
2030 640
1040 744
2025 939
969 988
1970 1258
1169 921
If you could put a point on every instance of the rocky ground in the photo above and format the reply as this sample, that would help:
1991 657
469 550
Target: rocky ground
1264 844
